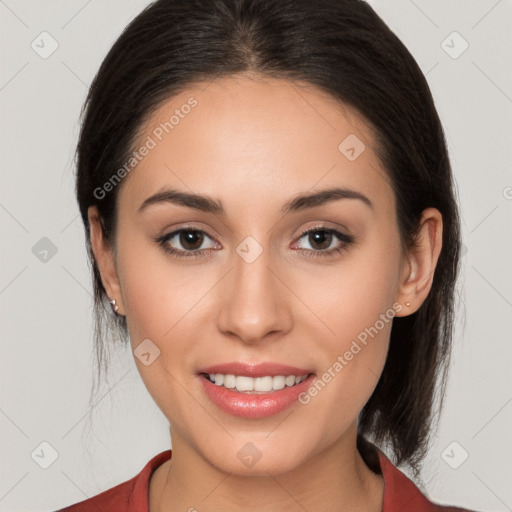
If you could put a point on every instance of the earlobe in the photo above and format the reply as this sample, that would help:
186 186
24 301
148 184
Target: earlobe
418 272
105 259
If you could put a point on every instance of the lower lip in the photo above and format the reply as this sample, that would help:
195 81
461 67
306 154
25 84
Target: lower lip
248 405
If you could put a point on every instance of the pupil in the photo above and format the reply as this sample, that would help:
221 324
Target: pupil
320 237
193 238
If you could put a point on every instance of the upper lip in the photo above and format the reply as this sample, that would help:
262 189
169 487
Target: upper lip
255 370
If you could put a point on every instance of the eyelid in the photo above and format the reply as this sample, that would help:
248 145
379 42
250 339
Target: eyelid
210 231
323 226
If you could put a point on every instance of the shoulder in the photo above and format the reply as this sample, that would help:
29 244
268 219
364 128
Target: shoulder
129 496
400 493
117 497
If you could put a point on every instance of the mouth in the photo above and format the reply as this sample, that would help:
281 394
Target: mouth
254 391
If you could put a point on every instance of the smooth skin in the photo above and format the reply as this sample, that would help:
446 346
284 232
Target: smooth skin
253 144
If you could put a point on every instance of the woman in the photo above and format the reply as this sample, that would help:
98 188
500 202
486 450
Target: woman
269 209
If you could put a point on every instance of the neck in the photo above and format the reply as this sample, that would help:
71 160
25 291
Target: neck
335 479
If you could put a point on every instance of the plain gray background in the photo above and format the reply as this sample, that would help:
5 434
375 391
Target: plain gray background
45 298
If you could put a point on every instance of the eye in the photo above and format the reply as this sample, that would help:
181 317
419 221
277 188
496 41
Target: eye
187 242
192 242
324 241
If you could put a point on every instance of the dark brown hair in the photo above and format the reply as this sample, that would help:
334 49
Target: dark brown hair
343 48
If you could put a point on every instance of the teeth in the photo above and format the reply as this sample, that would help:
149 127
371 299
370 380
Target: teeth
265 384
229 381
244 383
278 382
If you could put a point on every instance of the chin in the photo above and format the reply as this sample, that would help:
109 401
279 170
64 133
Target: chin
256 454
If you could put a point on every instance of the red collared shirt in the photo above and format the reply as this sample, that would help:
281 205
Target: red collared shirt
400 493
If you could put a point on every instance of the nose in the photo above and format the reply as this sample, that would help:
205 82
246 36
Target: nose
254 302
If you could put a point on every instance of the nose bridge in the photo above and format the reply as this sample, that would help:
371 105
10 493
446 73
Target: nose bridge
252 306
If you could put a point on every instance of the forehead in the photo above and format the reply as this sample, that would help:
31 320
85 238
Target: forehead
255 138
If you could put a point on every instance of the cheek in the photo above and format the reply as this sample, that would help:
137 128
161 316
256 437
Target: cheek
159 302
157 293
352 295
163 301
352 360
356 305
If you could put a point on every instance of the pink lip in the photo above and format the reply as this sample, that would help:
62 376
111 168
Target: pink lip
253 406
255 370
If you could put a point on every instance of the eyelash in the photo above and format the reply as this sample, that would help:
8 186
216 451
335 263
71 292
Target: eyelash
346 240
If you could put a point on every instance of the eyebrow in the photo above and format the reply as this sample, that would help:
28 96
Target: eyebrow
209 205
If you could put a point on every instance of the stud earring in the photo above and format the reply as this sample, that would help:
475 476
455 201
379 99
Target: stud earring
115 307
407 304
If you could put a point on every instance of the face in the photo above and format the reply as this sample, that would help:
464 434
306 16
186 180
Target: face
250 281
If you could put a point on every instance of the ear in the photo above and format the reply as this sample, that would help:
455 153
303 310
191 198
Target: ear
418 272
105 258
